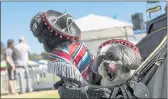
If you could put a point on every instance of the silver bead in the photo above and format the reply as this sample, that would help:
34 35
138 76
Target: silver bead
146 95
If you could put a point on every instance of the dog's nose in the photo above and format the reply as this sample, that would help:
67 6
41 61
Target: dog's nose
111 68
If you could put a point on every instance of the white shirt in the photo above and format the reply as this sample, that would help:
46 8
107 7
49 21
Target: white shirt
23 50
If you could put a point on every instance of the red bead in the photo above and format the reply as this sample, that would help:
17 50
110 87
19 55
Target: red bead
48 27
60 36
124 43
51 30
45 23
68 38
56 34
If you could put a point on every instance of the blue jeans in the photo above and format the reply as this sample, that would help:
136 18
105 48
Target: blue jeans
23 72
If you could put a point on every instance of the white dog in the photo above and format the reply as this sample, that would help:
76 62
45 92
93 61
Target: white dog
116 61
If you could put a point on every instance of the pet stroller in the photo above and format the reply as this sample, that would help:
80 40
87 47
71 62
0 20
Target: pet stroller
148 81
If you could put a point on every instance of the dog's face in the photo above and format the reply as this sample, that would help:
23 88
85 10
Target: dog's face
116 62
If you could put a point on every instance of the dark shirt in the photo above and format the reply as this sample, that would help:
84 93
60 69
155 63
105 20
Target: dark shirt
8 52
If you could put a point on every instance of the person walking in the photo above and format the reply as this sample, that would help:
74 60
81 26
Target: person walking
10 66
21 63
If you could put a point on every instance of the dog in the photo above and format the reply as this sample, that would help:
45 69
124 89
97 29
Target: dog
68 57
116 61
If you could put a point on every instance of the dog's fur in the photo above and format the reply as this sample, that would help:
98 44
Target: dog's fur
124 58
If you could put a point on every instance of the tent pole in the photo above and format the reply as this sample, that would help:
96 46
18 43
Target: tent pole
126 33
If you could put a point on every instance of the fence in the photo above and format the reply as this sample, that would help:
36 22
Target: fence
41 79
4 82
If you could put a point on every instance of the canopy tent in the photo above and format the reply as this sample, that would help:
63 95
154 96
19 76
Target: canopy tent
43 62
97 29
30 63
96 22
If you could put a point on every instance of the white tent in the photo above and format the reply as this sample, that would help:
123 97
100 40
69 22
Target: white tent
43 61
97 29
96 22
32 63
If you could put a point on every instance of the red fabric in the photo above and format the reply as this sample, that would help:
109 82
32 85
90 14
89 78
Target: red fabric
73 47
62 54
80 55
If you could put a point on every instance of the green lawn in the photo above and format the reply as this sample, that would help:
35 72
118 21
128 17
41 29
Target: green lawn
39 94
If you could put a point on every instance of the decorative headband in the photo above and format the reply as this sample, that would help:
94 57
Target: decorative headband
120 41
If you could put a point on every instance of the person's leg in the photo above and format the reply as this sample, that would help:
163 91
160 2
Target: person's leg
21 80
11 75
28 80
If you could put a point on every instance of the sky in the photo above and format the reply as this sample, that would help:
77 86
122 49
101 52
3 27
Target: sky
16 16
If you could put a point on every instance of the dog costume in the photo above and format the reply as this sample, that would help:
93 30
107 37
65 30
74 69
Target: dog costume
68 56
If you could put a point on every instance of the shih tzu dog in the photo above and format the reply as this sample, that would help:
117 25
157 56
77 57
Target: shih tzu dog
116 61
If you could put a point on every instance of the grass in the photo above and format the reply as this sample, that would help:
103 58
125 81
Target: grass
39 94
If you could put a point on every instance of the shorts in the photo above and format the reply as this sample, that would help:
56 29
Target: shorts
11 74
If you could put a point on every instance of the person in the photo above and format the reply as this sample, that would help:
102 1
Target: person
21 62
10 65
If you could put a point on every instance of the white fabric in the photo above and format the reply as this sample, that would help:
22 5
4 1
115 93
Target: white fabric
96 22
24 54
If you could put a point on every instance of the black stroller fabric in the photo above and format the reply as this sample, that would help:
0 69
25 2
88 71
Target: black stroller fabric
156 30
146 84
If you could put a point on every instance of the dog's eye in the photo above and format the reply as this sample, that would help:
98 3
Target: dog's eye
105 64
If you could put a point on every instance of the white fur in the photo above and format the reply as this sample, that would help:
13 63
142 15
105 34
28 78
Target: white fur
104 49
101 70
106 82
120 75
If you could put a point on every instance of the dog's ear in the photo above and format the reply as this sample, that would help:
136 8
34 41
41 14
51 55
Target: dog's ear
98 60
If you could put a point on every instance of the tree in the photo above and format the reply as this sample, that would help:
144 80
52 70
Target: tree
35 56
2 51
44 55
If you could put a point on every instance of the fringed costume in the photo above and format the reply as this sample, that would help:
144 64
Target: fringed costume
68 56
